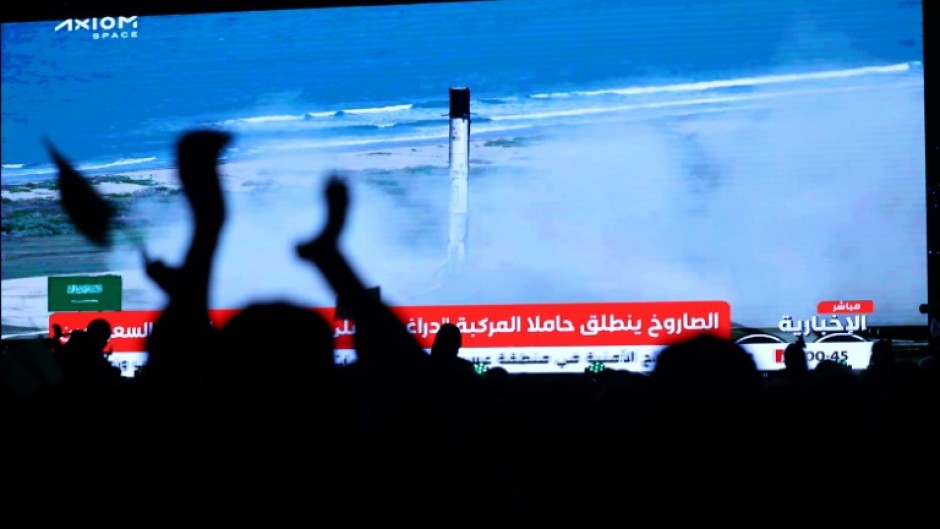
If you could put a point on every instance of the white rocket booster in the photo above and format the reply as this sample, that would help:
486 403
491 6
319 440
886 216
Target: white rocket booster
459 174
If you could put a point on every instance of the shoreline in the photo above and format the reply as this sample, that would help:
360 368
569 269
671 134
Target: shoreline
337 151
498 150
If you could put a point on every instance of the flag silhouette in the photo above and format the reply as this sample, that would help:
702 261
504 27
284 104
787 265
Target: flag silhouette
86 208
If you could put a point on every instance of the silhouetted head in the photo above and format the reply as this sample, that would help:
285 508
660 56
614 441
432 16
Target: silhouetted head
277 341
497 373
831 367
882 355
706 372
706 398
98 333
78 339
703 356
273 377
447 343
794 359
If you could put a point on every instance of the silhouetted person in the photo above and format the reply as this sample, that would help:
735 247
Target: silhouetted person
794 360
882 356
705 429
415 433
446 349
273 396
54 343
274 367
181 348
181 345
84 359
838 410
457 388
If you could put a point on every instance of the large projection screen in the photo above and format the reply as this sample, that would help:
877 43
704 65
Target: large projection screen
629 174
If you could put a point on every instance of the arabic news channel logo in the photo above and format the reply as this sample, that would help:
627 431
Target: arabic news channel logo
106 28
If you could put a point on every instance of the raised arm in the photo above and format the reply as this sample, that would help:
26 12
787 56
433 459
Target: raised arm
381 338
182 332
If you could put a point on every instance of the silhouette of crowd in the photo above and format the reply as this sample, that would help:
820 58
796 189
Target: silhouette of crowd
239 420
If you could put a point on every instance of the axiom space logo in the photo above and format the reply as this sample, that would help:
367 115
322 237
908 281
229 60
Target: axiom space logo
106 28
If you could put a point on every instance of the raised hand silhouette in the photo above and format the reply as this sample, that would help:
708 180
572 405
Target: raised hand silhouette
337 200
381 338
165 276
197 154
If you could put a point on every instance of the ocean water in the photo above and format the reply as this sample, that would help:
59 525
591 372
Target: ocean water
338 77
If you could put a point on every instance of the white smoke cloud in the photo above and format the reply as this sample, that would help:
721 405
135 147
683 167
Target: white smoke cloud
773 209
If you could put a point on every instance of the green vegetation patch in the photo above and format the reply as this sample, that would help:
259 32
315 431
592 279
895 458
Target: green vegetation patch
121 179
28 187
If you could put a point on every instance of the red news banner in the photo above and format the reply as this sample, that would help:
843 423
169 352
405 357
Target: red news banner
538 325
